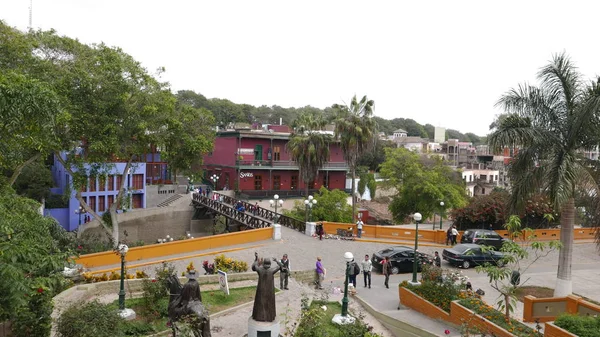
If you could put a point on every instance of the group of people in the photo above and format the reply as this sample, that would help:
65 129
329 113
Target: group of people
365 267
451 235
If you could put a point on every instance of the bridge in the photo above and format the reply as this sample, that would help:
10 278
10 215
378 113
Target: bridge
252 217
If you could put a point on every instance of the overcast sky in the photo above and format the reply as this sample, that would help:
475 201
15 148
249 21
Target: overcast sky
440 62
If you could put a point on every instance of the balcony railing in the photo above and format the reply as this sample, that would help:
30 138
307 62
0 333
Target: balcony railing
284 163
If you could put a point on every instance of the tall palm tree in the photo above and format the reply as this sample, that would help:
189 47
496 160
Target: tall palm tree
309 147
356 131
551 125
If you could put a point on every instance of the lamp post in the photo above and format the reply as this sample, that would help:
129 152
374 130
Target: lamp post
309 203
348 257
214 179
79 211
417 216
275 202
441 213
123 249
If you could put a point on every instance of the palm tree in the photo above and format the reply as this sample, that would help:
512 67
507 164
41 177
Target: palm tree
551 125
356 132
309 147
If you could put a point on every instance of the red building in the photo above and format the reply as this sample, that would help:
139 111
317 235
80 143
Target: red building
256 163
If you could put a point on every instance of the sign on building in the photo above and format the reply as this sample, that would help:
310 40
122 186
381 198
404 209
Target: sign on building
223 281
245 151
246 175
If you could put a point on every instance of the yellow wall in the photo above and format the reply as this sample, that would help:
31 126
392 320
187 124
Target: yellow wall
177 247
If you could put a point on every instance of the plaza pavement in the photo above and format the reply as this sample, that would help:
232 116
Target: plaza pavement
303 250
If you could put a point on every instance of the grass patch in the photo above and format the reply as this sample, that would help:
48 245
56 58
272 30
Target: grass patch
543 292
317 322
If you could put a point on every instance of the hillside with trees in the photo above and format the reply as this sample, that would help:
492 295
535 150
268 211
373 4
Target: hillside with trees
226 111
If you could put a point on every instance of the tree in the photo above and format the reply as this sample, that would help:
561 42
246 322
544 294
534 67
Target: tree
373 159
34 252
35 181
551 125
420 187
356 131
506 275
331 206
309 147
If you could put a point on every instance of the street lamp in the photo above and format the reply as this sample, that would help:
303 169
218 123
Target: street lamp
276 203
417 216
441 213
214 178
309 203
122 250
80 211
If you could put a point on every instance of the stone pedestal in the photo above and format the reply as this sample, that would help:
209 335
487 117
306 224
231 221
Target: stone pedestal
342 320
263 329
414 283
311 228
276 231
127 314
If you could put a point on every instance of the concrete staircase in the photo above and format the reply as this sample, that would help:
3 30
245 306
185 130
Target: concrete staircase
169 201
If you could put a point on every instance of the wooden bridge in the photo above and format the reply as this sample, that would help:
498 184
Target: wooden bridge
253 217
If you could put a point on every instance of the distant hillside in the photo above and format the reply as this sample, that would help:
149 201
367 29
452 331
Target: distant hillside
225 112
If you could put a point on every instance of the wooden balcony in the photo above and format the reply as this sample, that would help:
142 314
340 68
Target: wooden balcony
285 165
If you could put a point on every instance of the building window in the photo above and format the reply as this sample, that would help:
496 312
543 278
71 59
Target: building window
258 152
257 182
92 203
294 183
111 200
277 183
92 184
119 182
136 201
102 184
496 177
276 153
101 203
111 183
483 191
138 182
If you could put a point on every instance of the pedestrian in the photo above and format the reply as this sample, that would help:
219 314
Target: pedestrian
320 272
359 227
367 266
449 235
255 208
200 190
454 234
354 271
285 272
436 260
491 227
387 270
320 230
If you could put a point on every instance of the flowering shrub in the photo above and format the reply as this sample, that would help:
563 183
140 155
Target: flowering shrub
486 311
156 294
439 286
228 264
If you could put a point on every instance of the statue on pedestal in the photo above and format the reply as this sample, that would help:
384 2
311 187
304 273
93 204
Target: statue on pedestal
264 300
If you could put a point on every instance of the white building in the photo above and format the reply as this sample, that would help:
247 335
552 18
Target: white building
480 181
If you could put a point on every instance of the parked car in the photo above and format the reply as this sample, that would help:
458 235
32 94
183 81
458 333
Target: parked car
483 237
469 254
402 259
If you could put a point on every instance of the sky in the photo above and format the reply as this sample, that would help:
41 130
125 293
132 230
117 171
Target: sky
442 62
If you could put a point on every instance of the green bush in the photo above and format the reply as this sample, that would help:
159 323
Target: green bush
582 326
438 286
315 322
136 328
156 295
92 319
228 264
34 320
488 312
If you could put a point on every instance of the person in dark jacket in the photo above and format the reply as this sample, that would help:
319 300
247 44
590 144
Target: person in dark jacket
387 270
284 273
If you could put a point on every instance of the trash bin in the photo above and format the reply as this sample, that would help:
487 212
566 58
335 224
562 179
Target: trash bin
515 278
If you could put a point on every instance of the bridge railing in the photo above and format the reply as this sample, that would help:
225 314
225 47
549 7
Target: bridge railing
266 213
230 212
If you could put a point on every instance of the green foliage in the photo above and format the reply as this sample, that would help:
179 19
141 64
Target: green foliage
582 326
315 322
230 265
92 242
513 326
155 296
439 286
373 159
32 252
92 319
421 184
494 209
137 328
331 206
34 182
34 319
56 201
362 183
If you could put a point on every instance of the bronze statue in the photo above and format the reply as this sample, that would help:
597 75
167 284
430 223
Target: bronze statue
186 303
264 300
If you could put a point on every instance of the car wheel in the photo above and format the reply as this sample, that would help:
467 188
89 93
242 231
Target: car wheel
466 264
395 270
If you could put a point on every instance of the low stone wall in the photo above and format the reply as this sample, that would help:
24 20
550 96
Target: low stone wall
547 309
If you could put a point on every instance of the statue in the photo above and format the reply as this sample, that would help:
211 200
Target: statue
186 302
264 300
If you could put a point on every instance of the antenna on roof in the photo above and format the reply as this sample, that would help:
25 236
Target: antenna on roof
30 13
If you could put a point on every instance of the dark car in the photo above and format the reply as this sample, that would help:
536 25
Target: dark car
402 259
469 254
483 237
